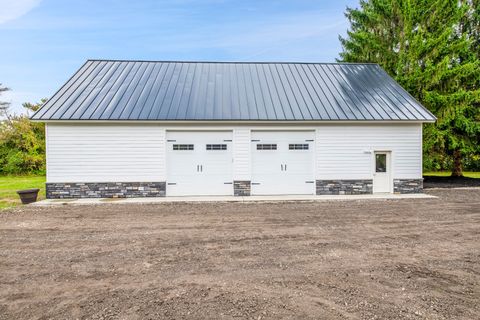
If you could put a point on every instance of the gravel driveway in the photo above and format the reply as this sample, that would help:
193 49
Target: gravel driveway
375 259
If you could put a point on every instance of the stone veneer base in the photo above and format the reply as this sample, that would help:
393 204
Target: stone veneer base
407 186
105 190
241 188
333 187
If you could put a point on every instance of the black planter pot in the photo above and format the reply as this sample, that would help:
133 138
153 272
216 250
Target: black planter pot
28 196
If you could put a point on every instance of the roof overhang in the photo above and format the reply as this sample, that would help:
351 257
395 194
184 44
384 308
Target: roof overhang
236 122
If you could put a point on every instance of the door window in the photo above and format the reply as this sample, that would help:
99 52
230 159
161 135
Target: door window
178 147
272 146
298 146
216 147
380 162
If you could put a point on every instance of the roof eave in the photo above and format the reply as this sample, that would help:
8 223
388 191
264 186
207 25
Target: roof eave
213 121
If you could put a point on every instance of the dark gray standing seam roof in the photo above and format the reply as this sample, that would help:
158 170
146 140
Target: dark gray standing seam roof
233 91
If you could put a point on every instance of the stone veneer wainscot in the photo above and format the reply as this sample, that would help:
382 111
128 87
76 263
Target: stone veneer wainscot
105 190
407 185
333 187
241 188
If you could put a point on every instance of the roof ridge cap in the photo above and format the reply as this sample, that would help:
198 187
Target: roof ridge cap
232 62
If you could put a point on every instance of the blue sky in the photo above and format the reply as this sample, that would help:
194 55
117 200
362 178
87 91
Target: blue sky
45 41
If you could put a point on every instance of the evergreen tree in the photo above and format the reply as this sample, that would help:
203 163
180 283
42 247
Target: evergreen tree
431 47
3 104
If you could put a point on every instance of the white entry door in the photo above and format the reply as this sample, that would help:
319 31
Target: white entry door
282 162
382 173
199 163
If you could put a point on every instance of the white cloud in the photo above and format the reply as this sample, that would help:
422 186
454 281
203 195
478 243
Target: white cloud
14 9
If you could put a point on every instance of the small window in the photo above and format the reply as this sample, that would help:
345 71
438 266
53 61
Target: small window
216 147
182 147
380 162
298 146
272 146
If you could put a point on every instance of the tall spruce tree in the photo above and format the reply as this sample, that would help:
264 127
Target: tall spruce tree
431 47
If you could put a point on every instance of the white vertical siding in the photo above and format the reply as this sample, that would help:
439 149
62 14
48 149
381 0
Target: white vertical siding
105 153
241 154
346 151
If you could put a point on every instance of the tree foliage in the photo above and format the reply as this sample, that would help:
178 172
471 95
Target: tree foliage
22 142
431 47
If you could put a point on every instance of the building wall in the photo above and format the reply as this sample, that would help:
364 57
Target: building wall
241 154
346 152
103 153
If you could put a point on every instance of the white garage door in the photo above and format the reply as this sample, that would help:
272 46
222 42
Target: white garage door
199 163
283 162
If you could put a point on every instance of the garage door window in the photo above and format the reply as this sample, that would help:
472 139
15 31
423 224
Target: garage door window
272 146
182 147
216 147
298 146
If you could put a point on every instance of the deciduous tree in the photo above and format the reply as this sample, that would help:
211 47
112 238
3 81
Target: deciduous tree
22 142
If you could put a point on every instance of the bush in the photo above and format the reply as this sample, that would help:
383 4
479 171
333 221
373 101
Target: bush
22 144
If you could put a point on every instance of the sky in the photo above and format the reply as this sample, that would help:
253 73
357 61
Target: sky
43 42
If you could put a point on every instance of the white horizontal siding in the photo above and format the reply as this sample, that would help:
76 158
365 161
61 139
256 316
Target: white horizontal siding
346 151
105 153
241 154
136 152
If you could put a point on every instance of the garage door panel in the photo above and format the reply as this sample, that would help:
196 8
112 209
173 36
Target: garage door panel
191 188
216 170
271 186
205 170
199 136
285 169
299 167
183 165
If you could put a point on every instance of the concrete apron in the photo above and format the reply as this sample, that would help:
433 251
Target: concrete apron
90 201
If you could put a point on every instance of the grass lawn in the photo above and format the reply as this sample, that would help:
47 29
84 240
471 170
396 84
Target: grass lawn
447 173
10 184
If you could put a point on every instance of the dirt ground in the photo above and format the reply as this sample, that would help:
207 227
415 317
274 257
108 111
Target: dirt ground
369 259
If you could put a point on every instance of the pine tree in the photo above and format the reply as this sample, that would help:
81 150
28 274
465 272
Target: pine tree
431 48
3 104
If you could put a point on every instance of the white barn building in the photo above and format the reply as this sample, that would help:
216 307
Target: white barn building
152 128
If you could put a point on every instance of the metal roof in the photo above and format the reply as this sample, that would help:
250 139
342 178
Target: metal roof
160 90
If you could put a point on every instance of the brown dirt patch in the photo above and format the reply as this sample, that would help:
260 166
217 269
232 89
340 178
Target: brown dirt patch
380 259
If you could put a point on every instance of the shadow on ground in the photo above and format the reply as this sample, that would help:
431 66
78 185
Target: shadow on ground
449 182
